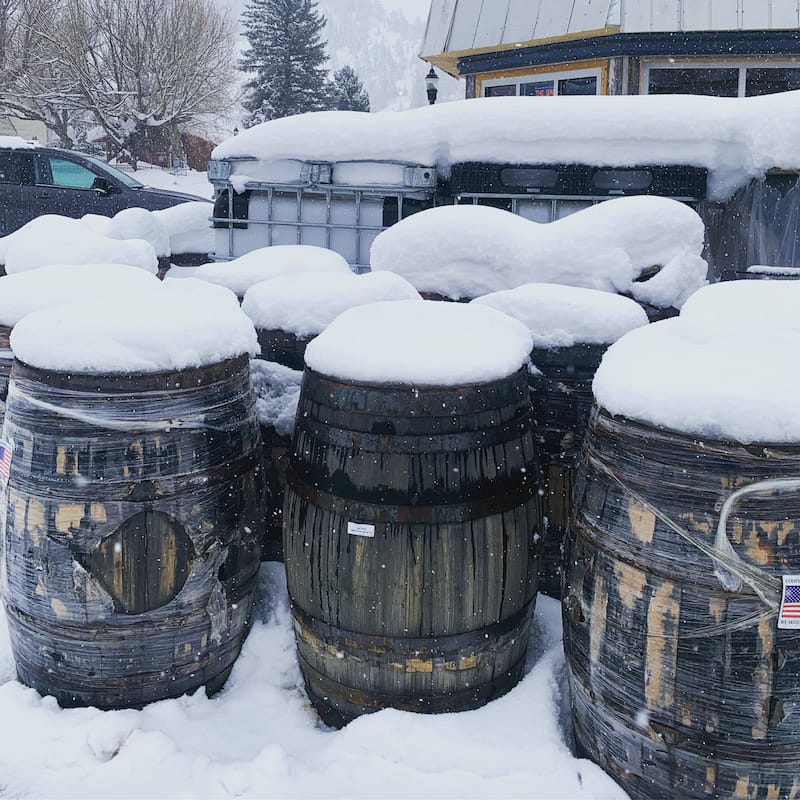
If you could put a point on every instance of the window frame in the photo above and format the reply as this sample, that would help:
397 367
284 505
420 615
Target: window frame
538 77
741 65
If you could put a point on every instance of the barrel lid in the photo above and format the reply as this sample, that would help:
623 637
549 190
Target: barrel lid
55 285
305 304
563 316
174 325
424 343
722 370
241 273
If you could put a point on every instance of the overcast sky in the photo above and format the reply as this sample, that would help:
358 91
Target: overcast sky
411 8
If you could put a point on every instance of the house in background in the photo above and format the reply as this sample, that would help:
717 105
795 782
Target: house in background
26 128
725 48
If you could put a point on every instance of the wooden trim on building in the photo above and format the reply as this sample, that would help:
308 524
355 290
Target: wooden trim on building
564 66
448 61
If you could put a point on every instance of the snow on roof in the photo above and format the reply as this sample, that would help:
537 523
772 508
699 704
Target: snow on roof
16 142
306 303
173 325
735 138
259 265
45 287
469 251
52 239
704 373
420 343
562 316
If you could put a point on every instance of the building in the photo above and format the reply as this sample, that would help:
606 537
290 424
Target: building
26 128
725 48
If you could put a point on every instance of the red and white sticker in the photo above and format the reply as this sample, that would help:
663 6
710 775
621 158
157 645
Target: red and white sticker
789 616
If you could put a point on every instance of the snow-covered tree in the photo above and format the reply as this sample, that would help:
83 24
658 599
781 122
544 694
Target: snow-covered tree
142 70
287 58
347 91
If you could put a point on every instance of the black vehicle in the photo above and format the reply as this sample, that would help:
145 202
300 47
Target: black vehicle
44 180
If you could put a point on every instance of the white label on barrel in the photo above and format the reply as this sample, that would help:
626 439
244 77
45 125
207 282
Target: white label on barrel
360 529
789 616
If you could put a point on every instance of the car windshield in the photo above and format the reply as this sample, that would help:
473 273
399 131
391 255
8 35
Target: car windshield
117 173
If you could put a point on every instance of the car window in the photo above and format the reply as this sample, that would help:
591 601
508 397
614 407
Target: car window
10 167
52 171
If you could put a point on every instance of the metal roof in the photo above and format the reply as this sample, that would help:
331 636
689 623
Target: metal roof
460 27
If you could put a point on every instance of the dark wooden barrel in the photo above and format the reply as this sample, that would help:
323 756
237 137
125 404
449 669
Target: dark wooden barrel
561 398
276 392
679 687
283 347
410 524
131 545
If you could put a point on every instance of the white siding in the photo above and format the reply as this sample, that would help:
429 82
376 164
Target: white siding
698 15
485 23
521 21
455 25
491 23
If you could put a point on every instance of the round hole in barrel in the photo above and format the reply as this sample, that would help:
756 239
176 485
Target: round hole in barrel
132 539
144 563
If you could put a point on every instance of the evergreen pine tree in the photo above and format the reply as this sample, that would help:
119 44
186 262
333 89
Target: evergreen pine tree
287 57
347 91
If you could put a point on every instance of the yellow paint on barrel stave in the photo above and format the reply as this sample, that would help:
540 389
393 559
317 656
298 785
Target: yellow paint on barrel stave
643 522
662 648
69 516
59 609
597 630
61 461
773 792
759 550
98 512
34 520
711 778
631 584
741 790
716 607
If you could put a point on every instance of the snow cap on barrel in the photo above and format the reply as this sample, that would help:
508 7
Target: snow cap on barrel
45 287
170 326
259 265
306 303
423 343
563 316
721 370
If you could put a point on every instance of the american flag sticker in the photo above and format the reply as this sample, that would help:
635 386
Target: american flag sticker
6 449
789 616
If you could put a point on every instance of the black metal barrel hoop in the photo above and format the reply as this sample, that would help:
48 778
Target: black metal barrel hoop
561 398
131 543
680 686
410 523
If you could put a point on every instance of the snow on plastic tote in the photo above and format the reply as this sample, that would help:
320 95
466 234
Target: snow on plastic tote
411 511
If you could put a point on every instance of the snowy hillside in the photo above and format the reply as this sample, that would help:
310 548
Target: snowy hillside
382 45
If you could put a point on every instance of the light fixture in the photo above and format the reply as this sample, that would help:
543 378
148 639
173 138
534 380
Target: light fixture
432 85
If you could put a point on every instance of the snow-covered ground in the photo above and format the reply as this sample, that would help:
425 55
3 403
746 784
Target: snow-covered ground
259 738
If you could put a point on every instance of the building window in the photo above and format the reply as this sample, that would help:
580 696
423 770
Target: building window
545 84
766 80
720 80
691 80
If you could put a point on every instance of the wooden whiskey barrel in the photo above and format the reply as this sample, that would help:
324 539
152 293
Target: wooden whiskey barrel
561 398
288 311
572 328
131 543
679 687
410 522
